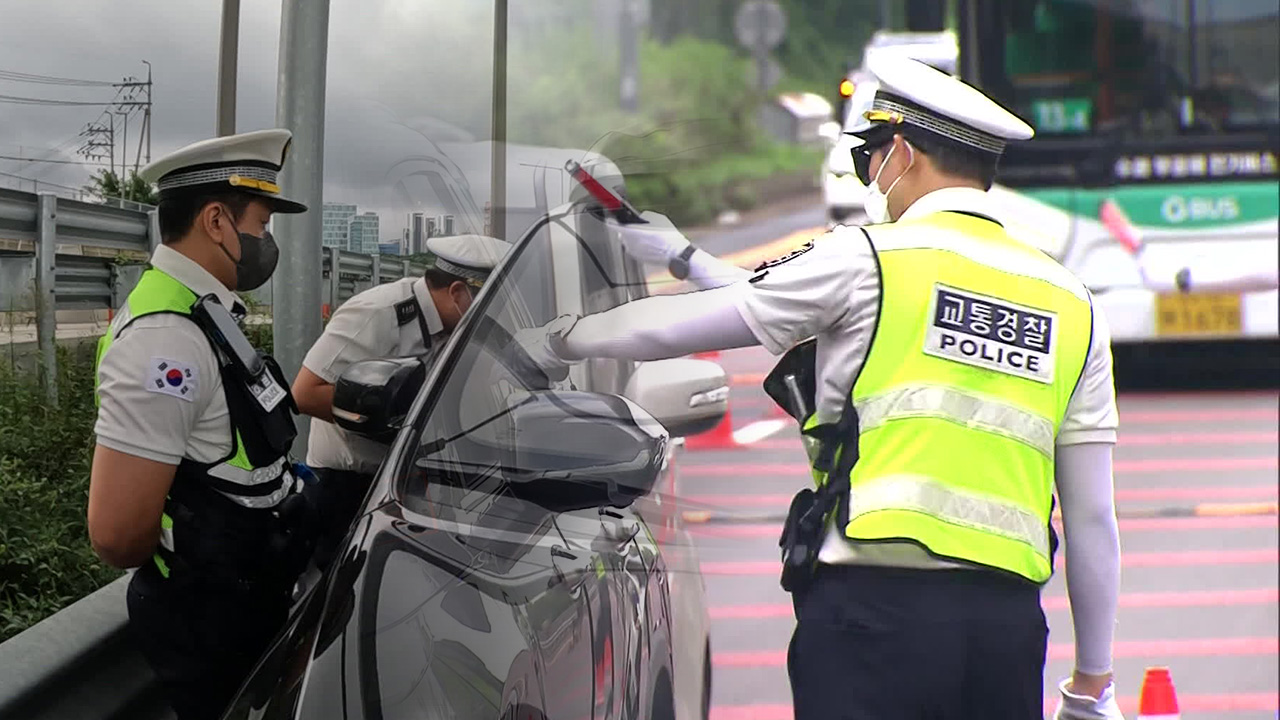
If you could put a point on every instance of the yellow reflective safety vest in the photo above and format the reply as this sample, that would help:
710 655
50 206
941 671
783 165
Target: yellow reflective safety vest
980 343
218 516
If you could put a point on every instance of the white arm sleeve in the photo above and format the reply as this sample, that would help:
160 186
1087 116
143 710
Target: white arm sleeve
663 326
1083 476
708 271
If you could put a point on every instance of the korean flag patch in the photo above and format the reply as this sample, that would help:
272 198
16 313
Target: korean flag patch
170 377
991 333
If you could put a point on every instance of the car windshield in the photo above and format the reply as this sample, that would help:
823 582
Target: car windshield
452 468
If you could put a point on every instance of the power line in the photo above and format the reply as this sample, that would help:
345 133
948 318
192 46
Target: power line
50 80
42 182
43 160
13 99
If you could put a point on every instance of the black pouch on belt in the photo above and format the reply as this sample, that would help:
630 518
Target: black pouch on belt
792 384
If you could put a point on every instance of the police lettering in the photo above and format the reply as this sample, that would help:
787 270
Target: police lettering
991 333
994 352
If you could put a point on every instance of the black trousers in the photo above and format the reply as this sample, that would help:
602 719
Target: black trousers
335 498
201 638
877 643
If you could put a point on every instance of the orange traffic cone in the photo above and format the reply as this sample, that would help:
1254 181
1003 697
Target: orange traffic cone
719 437
1158 701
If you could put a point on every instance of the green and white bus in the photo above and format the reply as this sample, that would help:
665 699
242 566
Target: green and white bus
1157 135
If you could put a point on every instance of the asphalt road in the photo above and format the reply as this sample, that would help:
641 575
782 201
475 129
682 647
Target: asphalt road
1199 593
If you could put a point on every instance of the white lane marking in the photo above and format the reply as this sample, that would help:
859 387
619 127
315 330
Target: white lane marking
758 430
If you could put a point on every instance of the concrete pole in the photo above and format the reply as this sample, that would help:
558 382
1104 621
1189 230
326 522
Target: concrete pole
228 52
300 96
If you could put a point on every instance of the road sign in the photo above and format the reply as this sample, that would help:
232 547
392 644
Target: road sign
765 73
760 25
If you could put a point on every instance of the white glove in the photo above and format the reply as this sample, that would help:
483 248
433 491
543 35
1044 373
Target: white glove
1085 707
655 242
541 345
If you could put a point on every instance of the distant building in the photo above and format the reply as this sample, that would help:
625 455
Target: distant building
389 248
446 222
362 236
335 224
417 234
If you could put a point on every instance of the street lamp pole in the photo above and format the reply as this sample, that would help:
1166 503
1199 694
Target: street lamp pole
498 170
300 100
227 62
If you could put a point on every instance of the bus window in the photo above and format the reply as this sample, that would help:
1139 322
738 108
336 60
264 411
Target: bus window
1135 68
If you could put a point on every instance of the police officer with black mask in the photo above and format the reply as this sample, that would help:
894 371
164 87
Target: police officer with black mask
191 482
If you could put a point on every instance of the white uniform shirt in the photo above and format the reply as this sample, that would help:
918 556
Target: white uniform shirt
366 327
831 292
159 386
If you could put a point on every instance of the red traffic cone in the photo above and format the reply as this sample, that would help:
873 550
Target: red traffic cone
719 437
1158 700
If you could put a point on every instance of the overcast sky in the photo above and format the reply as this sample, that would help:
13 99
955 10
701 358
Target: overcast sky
396 59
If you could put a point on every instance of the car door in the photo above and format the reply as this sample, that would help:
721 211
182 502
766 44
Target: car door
557 581
600 281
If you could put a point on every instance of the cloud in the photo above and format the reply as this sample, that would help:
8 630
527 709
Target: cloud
426 65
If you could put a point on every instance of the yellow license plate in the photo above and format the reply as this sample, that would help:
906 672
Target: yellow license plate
1198 314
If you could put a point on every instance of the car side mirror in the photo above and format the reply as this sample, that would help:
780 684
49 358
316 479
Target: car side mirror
372 397
687 396
572 450
829 131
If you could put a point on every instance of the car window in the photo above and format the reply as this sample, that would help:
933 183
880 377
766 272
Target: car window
453 465
606 284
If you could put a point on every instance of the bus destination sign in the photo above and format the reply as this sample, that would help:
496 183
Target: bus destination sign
1197 165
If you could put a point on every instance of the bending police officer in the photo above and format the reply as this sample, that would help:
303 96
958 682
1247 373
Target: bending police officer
411 317
191 482
978 377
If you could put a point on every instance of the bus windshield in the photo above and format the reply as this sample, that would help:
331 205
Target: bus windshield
1148 69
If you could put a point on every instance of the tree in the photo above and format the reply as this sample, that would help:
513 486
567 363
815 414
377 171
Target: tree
108 184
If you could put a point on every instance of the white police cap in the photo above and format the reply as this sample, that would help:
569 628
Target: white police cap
470 257
915 95
248 162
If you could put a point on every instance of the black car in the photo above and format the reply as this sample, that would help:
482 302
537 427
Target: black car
519 555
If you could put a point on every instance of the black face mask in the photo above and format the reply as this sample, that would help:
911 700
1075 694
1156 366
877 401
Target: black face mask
258 258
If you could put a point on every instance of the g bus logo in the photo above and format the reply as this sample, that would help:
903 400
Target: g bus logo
1177 209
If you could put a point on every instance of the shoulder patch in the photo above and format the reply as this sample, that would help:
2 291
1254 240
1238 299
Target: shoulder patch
170 377
785 258
991 333
406 311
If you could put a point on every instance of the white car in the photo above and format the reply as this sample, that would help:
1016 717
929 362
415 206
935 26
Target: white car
842 193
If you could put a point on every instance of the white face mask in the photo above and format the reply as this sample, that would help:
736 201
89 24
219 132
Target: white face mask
876 204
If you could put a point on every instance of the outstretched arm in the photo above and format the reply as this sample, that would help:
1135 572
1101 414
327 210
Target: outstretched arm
662 326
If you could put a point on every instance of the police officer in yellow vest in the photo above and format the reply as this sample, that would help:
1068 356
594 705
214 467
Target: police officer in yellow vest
974 377
191 482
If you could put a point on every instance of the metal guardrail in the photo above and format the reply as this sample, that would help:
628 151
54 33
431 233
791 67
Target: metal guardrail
79 665
40 225
356 272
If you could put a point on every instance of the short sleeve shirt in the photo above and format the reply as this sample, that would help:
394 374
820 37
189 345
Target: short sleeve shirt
160 392
376 323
